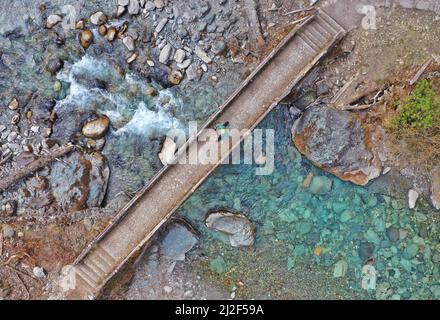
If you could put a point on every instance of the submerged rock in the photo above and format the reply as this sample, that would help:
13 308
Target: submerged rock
239 228
82 184
134 7
218 265
340 269
320 185
336 141
366 250
102 30
178 240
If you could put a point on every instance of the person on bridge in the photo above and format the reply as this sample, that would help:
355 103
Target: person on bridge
222 130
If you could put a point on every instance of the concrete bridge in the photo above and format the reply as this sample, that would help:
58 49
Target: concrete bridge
273 79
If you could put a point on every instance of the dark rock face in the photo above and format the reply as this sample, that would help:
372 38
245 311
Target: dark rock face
82 184
336 141
366 250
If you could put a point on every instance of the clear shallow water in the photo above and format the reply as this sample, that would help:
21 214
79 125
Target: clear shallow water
301 236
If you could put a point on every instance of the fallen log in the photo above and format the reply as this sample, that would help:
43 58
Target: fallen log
35 165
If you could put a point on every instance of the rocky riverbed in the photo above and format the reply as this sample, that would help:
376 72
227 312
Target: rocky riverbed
112 78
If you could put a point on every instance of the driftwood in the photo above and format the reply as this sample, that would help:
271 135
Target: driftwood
421 71
38 164
253 20
299 11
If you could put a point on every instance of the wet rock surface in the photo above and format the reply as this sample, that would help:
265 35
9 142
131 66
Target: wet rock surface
82 184
239 229
337 142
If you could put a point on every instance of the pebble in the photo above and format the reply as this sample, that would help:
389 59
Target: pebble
169 148
102 30
340 269
320 185
179 56
193 73
8 231
39 272
159 4
410 251
218 265
346 215
167 289
175 77
366 250
185 64
150 6
80 24
161 25
165 54
129 43
369 276
13 105
134 7
393 234
86 38
111 33
123 2
15 119
120 11
98 18
218 48
131 58
53 20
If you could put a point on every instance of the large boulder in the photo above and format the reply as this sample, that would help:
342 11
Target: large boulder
80 181
337 141
239 228
178 240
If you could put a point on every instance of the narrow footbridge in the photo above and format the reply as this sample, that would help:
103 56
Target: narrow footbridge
135 224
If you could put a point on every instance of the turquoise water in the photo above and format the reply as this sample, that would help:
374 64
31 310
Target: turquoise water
301 236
